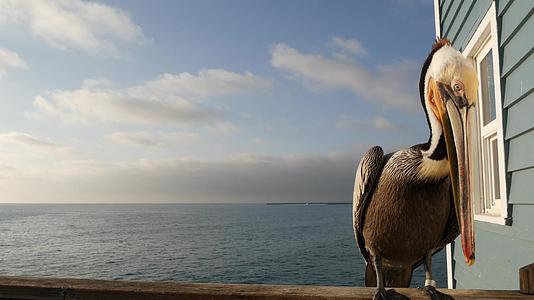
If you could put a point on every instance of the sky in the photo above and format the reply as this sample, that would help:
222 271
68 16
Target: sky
204 101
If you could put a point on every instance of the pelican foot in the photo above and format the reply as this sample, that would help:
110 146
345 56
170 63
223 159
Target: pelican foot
382 294
435 294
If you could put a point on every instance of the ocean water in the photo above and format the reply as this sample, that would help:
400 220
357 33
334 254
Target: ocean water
225 243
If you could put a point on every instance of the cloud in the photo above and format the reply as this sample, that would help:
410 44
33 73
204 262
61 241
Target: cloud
245 178
382 123
90 27
97 83
390 86
224 128
10 60
168 99
347 122
153 139
85 105
16 143
352 46
133 139
208 83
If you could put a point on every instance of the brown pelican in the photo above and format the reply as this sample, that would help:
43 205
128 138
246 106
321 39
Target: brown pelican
410 203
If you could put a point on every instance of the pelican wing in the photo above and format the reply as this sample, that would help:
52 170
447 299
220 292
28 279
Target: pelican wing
452 230
367 176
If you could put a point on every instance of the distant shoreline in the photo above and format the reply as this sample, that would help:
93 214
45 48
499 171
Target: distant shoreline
308 203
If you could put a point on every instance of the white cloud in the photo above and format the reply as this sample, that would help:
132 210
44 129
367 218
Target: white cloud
208 83
10 60
91 27
352 46
153 139
168 99
15 143
85 105
379 122
95 83
391 86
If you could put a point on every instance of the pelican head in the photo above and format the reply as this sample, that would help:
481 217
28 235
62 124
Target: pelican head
448 92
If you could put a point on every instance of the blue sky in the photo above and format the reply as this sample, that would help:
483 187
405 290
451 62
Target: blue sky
204 101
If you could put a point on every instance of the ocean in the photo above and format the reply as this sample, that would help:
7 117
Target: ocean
223 243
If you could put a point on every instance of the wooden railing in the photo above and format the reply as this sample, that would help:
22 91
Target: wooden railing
80 289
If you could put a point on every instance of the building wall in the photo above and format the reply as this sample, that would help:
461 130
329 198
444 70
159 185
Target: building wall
502 250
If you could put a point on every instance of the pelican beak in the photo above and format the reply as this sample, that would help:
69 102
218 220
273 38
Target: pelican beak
454 113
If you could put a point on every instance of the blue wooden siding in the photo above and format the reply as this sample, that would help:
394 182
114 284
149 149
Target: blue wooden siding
520 117
462 19
522 187
502 250
521 152
519 83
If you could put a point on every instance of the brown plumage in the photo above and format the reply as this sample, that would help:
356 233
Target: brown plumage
397 214
440 42
402 215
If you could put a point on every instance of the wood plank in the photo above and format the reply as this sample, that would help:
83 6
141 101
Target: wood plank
514 17
521 187
526 279
445 9
519 46
522 235
443 4
449 18
520 152
19 287
520 82
472 21
520 118
463 12
502 6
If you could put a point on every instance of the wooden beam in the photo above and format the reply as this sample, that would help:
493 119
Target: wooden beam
526 279
81 289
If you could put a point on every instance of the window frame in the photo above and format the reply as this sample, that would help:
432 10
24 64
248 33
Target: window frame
485 39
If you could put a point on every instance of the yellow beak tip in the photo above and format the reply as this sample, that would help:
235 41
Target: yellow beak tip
470 261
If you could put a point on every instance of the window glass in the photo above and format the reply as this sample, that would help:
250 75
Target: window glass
488 174
487 86
496 177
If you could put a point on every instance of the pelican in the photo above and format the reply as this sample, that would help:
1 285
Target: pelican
409 204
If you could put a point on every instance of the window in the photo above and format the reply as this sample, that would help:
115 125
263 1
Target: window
487 157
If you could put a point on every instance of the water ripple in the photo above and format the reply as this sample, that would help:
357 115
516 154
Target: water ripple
183 242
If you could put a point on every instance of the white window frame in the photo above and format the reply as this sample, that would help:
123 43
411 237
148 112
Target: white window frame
484 40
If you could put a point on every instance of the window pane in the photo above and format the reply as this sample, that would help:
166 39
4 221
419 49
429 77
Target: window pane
487 85
488 174
496 177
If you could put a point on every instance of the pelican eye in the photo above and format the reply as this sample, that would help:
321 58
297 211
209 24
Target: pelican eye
457 86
